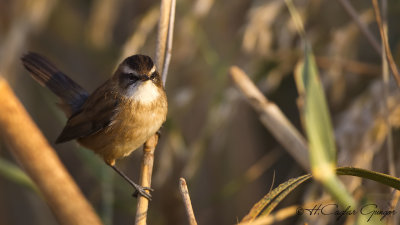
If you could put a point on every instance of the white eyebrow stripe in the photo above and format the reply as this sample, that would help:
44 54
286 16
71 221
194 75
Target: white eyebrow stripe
153 69
126 69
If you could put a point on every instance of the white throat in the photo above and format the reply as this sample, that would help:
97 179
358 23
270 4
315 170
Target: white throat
144 92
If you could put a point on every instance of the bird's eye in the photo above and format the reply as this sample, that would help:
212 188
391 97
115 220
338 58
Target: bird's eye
132 78
153 76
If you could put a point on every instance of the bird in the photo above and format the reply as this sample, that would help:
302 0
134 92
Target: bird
118 117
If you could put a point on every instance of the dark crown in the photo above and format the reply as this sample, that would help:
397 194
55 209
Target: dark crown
140 63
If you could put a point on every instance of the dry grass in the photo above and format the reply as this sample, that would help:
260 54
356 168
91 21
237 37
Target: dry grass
40 161
212 137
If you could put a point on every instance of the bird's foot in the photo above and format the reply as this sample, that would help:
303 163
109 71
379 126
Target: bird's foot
139 189
142 191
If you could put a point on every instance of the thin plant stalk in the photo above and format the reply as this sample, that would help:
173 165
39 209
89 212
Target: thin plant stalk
146 172
169 42
163 26
273 118
385 41
167 15
385 78
186 200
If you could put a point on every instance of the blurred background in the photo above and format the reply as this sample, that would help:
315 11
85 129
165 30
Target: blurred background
212 137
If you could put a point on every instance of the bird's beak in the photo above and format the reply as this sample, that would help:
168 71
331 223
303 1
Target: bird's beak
144 77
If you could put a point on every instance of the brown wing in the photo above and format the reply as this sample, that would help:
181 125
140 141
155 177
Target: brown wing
96 114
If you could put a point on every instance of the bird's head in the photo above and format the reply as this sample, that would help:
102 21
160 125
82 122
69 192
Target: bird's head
138 78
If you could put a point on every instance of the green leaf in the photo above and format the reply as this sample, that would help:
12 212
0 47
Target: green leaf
315 112
318 126
382 178
15 174
272 199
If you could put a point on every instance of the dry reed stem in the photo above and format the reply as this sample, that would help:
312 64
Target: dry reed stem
162 36
145 178
166 17
169 42
273 118
364 29
385 41
186 200
40 161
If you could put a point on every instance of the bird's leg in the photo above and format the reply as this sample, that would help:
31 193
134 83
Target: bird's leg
139 189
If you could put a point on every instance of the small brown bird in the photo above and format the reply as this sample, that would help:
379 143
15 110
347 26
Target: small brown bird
118 117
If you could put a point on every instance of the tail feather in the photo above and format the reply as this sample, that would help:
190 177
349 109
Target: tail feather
71 94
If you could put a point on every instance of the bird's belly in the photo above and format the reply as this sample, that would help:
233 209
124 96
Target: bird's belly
125 134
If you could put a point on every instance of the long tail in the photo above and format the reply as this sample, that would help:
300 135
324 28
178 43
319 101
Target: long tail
71 94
